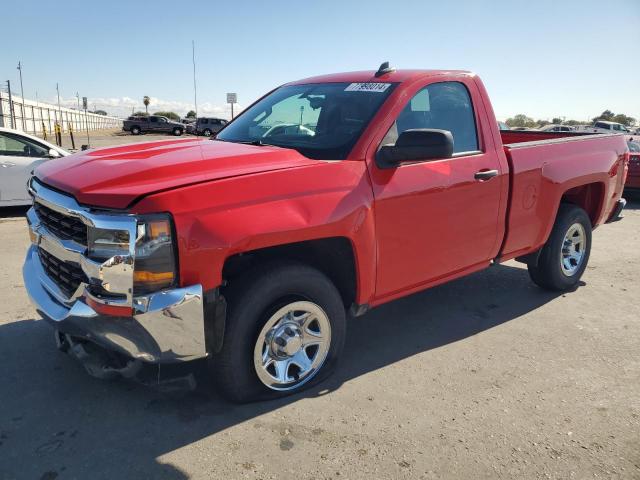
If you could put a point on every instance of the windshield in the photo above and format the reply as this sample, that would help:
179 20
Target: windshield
321 121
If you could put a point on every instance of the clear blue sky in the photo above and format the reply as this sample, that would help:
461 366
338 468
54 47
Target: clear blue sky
543 58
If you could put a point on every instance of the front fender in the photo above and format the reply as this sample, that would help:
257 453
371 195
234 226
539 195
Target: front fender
219 219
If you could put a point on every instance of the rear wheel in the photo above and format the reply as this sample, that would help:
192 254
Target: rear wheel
285 331
135 130
564 257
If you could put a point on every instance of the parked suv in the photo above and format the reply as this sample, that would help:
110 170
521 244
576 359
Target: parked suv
153 123
206 126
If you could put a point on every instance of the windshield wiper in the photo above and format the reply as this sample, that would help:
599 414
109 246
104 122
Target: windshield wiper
257 143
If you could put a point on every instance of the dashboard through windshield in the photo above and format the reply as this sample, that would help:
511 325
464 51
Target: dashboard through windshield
321 121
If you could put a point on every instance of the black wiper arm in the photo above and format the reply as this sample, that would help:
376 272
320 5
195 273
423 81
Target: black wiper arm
257 142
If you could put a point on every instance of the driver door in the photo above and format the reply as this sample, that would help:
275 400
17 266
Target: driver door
440 217
18 157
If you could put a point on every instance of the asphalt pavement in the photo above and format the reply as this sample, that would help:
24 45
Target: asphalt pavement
485 377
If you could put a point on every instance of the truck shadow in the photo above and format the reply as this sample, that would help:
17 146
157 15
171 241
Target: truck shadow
13 212
633 201
55 419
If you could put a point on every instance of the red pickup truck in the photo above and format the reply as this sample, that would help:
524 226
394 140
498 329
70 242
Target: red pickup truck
326 197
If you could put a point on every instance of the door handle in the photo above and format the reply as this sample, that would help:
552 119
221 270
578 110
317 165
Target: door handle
483 175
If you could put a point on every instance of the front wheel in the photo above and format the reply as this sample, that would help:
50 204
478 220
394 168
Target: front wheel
285 330
177 132
135 130
207 132
564 257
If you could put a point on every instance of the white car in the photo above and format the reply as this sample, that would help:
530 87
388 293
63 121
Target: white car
20 153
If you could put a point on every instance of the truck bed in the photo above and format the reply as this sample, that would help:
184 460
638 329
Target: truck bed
520 136
549 167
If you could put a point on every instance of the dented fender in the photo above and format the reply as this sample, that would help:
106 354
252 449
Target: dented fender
216 220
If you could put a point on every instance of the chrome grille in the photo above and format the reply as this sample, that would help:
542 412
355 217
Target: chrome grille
66 275
61 225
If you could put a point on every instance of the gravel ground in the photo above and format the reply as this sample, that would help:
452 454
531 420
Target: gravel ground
485 377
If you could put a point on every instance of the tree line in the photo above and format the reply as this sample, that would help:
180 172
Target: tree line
521 120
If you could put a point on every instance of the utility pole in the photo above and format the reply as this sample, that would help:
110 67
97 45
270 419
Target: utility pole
195 95
24 128
86 119
12 113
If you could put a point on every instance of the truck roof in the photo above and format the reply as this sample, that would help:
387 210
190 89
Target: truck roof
370 76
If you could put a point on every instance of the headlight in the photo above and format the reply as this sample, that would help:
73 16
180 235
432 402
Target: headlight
104 244
155 264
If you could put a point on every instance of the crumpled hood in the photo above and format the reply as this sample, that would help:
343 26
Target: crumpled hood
115 177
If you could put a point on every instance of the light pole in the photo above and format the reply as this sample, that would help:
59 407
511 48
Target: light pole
195 95
79 116
22 95
59 109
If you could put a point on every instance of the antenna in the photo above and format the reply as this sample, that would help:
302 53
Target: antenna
384 68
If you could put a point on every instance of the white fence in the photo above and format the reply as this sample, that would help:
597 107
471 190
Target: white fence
37 118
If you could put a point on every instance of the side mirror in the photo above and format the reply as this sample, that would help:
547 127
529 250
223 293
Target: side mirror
54 153
416 145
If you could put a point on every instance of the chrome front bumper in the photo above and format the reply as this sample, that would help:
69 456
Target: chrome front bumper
167 326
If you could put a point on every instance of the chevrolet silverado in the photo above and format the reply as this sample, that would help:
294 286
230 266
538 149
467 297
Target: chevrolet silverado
326 197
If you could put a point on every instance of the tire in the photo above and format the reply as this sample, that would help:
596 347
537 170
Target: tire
177 132
256 305
559 269
206 132
135 131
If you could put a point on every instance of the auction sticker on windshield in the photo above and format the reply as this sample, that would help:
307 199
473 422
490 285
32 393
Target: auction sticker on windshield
367 87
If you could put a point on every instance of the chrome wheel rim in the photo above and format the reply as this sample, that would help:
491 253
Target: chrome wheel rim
292 346
573 249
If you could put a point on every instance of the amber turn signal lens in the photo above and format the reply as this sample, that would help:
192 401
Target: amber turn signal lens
159 228
153 279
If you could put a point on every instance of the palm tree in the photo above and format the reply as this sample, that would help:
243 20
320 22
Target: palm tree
146 100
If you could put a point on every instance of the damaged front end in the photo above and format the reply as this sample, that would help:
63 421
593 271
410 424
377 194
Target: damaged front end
106 282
